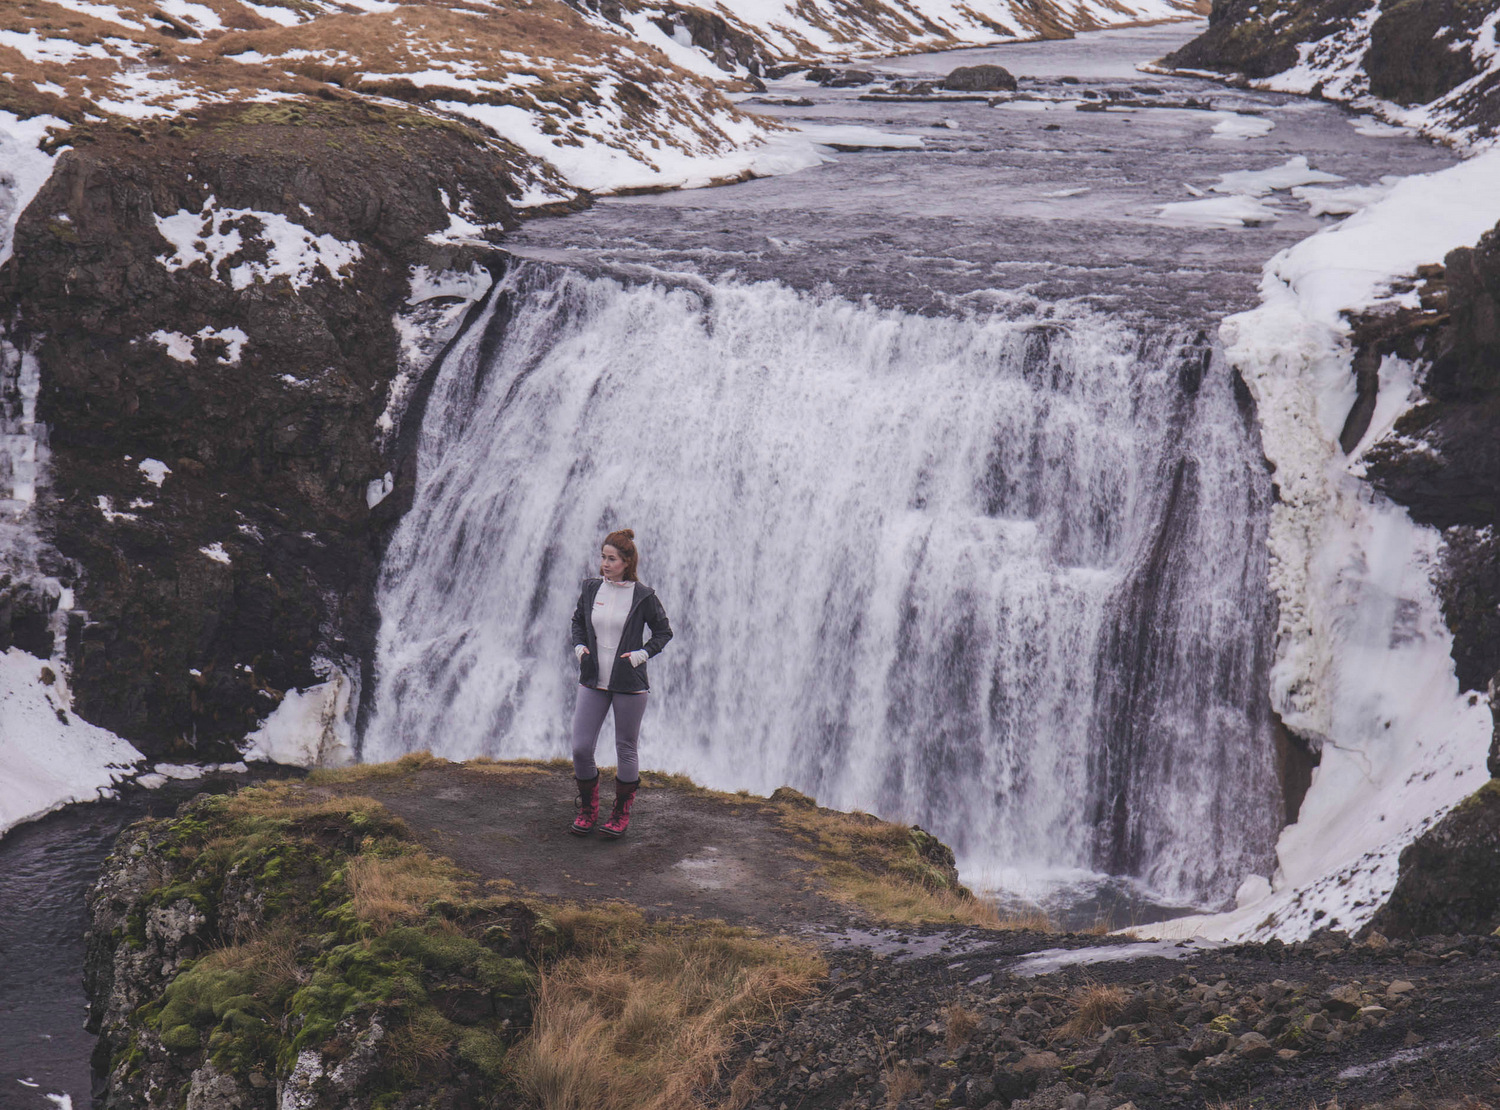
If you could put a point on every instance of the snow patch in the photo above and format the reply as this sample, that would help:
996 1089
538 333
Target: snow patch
1232 126
106 506
1258 183
216 552
218 236
379 489
48 757
1342 202
1219 212
154 471
179 346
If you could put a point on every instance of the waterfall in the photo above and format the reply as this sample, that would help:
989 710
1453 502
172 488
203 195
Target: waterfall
1003 576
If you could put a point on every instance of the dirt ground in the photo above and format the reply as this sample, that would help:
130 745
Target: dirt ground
686 853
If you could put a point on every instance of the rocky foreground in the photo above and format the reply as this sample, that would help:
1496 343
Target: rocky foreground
299 946
1326 1021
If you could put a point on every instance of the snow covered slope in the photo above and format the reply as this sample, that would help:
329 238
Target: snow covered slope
623 97
1364 664
1431 65
49 757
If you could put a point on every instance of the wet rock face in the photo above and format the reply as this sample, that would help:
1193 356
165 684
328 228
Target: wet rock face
1443 460
211 585
1450 876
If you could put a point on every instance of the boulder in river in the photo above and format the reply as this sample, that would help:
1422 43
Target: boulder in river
840 78
980 79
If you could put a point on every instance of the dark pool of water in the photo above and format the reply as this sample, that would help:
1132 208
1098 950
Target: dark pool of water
46 870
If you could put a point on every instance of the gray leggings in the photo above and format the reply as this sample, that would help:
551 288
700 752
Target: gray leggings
588 719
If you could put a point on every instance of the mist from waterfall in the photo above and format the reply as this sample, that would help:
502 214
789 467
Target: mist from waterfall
1001 576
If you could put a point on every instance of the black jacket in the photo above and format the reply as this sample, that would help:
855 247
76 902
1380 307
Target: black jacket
645 608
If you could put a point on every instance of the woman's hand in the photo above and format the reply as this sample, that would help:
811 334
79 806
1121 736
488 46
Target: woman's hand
637 657
580 651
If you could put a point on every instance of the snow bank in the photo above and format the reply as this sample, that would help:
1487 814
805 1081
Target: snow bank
1363 664
310 728
48 757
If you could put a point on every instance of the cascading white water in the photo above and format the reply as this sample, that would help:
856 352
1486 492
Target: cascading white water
1002 577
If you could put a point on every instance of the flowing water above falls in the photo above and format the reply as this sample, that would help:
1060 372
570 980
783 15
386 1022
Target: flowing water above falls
959 517
997 575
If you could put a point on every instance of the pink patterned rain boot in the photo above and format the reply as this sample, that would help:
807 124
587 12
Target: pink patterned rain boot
619 819
588 806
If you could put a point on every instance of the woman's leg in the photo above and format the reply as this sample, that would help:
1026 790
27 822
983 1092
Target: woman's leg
588 718
629 709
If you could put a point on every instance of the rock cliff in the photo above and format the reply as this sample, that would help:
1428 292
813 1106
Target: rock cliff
1429 64
296 945
217 308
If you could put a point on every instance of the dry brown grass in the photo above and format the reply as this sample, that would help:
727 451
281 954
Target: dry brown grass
1096 1006
270 955
645 1022
873 864
959 1023
899 901
364 772
386 889
900 1083
1033 919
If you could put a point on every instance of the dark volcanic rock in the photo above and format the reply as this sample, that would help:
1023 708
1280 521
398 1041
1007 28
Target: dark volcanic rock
204 600
1450 876
980 79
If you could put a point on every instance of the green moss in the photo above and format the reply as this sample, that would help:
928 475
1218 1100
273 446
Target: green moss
485 1049
182 1038
1490 790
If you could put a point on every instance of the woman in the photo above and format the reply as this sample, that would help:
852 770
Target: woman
608 627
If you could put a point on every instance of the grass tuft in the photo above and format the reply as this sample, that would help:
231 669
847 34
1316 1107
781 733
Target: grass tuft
1097 1005
386 889
900 1083
959 1023
645 1022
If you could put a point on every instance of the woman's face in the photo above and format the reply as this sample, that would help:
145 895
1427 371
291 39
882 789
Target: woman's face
610 563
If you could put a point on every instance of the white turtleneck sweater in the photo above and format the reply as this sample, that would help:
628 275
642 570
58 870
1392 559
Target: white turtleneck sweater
611 607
